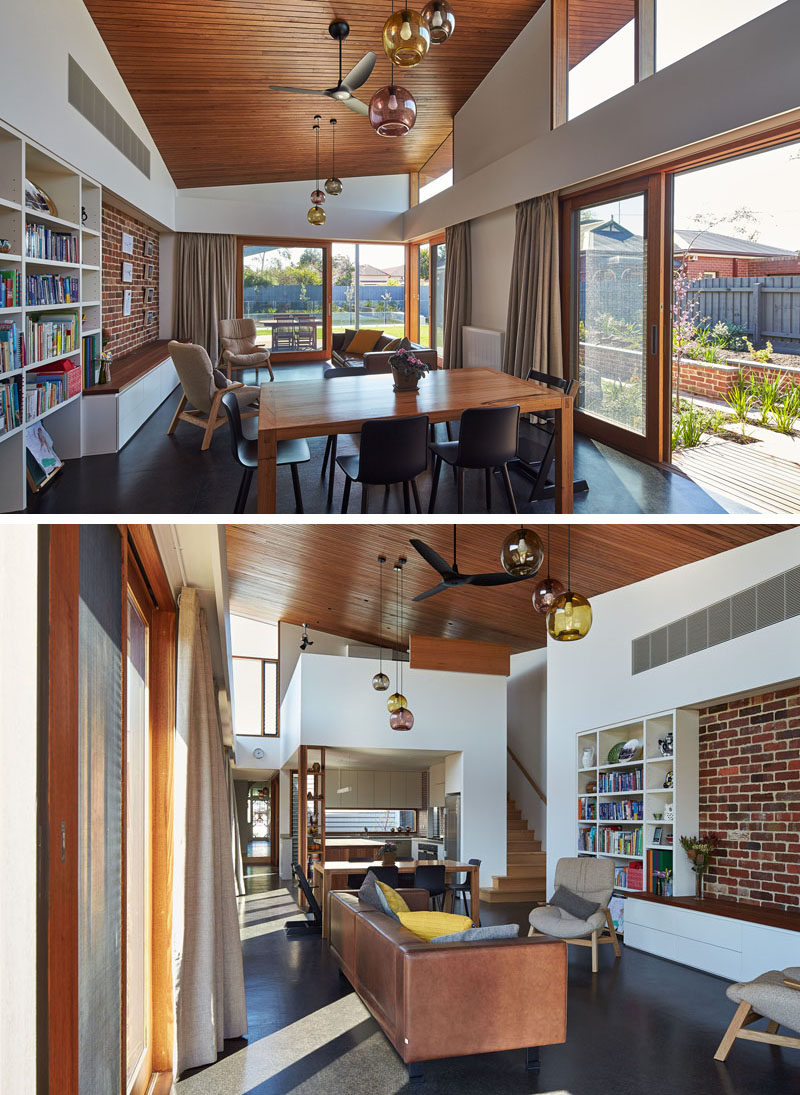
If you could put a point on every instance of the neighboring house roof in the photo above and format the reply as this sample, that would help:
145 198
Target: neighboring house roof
396 271
367 271
609 237
714 243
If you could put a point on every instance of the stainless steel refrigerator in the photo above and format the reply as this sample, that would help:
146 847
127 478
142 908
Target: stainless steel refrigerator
452 827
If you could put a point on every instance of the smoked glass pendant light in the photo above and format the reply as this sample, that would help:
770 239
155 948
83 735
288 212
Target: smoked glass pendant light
400 718
522 553
333 185
316 214
406 37
571 615
548 589
440 19
380 682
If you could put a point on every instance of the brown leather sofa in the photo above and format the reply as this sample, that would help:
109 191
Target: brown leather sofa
450 999
377 360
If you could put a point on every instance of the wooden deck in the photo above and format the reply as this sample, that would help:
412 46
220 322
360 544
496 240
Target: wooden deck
744 474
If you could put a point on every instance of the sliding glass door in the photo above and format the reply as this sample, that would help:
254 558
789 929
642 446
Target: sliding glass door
427 293
614 316
283 290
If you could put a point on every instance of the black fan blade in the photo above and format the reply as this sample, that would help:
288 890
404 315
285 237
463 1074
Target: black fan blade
442 586
432 558
356 106
297 90
360 73
498 579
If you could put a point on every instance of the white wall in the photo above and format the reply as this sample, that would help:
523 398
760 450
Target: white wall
590 684
289 649
527 735
18 731
453 712
492 241
701 96
38 36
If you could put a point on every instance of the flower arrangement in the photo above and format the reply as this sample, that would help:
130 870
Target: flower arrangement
700 849
106 357
388 848
408 363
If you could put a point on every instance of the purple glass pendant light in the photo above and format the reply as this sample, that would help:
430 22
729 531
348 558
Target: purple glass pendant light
393 109
547 590
316 214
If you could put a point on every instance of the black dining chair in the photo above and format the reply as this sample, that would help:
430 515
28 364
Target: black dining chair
487 439
463 889
245 452
393 450
390 876
431 877
537 442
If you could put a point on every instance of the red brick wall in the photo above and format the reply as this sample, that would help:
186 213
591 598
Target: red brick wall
750 795
726 266
715 381
131 331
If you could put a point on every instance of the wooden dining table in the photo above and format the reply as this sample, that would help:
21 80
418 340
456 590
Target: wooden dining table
332 875
319 408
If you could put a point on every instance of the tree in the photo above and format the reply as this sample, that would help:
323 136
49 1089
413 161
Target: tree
684 322
424 263
344 270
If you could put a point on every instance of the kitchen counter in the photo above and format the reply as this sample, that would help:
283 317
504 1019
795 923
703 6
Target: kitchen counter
353 841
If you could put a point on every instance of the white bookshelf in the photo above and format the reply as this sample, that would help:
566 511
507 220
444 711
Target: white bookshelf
71 191
598 796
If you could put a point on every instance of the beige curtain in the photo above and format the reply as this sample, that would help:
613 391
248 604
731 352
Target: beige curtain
205 287
533 327
207 954
457 292
236 839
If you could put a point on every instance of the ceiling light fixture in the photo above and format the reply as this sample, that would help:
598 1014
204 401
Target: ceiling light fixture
380 682
440 20
333 185
570 617
305 642
316 214
406 37
392 110
400 718
546 592
522 553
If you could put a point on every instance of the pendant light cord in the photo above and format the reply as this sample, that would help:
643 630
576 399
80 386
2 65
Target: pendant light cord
381 561
397 625
402 584
548 551
569 559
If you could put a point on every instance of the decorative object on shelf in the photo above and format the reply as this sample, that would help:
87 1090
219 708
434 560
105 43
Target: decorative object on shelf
333 185
305 642
668 779
84 215
316 214
400 718
700 849
356 77
631 750
547 590
106 357
570 617
614 752
657 834
407 370
658 816
315 768
669 811
588 757
38 199
440 19
666 744
5 247
591 787
392 111
380 682
388 853
406 37
522 553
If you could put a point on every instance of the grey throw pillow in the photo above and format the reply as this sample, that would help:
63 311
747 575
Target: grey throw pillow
477 935
348 338
573 903
371 894
220 380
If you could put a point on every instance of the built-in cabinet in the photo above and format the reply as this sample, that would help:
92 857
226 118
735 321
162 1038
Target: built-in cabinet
369 789
436 784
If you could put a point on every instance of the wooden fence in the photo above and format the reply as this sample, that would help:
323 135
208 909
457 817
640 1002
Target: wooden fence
768 308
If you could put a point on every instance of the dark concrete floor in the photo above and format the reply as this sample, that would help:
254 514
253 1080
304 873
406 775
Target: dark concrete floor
641 1025
155 473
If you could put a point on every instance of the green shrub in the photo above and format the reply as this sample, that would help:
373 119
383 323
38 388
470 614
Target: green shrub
729 336
689 426
740 400
766 391
762 356
787 411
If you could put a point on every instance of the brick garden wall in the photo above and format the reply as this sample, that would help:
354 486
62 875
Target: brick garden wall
715 381
131 331
750 794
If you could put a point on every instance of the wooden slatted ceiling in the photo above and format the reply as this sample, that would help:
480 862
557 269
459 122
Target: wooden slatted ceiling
198 71
327 575
592 22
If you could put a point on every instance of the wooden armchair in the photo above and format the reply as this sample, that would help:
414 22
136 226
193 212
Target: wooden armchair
593 880
201 393
775 996
239 349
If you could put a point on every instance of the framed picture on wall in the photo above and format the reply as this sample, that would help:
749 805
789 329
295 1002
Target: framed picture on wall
148 248
149 318
149 295
126 302
149 272
657 834
127 243
127 271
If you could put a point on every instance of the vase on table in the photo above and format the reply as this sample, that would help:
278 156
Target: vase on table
698 884
388 859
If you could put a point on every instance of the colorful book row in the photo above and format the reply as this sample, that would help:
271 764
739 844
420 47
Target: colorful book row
610 782
10 405
625 809
12 348
621 841
51 336
51 289
10 282
42 243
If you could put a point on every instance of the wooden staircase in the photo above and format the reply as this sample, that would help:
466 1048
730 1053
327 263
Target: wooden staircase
525 877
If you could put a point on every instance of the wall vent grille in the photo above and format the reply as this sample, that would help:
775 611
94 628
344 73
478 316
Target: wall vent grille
767 603
88 100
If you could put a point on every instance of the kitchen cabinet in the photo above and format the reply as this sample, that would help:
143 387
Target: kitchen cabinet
397 788
382 791
374 790
436 785
413 790
365 789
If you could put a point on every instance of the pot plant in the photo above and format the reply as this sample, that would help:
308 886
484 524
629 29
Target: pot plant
388 853
407 370
700 849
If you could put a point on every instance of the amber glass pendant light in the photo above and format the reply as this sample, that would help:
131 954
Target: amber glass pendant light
440 19
548 589
570 617
316 214
400 718
380 682
333 185
522 553
406 37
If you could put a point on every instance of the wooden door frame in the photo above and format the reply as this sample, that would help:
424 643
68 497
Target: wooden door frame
274 820
654 444
412 279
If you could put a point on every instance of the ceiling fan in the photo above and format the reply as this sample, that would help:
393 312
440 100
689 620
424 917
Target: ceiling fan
356 77
451 577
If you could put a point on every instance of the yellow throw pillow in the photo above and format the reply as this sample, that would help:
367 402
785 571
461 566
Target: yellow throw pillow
396 902
363 341
430 925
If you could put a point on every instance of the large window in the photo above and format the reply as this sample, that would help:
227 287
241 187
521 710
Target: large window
255 696
601 41
683 26
438 261
424 293
436 174
374 821
283 289
369 287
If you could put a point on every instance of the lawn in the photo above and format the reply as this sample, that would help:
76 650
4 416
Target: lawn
393 330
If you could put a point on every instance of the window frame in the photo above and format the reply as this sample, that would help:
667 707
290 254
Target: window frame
264 662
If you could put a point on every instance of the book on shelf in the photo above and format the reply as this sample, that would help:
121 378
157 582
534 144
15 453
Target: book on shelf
621 841
10 404
659 872
50 385
587 809
622 810
587 839
612 782
10 281
42 242
12 348
51 335
88 359
51 289
628 876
